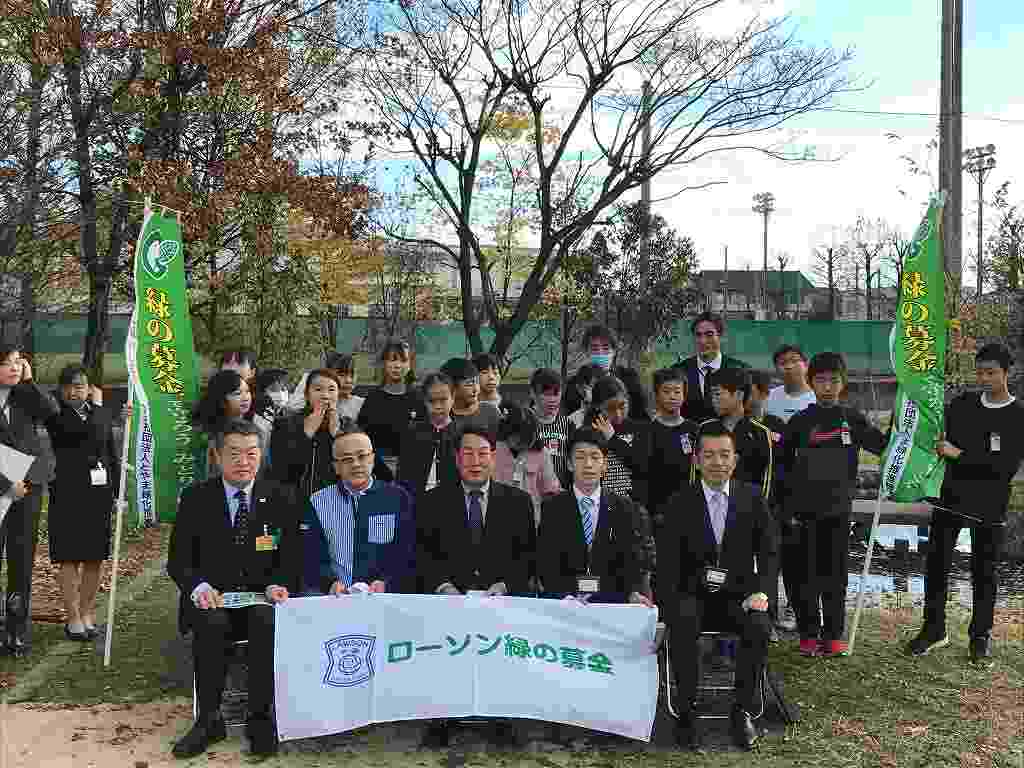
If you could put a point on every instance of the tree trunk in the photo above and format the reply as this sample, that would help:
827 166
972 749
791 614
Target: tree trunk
28 313
470 319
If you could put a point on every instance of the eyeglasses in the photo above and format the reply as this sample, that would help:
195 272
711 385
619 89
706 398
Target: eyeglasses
706 334
365 457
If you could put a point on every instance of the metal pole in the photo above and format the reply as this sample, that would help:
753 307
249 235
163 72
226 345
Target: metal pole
981 253
121 504
864 575
950 137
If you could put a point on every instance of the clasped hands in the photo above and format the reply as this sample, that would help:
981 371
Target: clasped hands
756 602
209 598
339 588
635 598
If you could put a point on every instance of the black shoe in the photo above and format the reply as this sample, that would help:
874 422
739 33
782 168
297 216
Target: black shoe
196 741
686 732
92 632
262 737
78 637
14 643
744 734
436 736
981 649
927 640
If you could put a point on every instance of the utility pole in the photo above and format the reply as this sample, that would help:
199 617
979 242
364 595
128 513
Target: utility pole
951 137
725 287
764 203
980 162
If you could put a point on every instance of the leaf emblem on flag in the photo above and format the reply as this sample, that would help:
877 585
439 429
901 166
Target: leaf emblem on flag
158 255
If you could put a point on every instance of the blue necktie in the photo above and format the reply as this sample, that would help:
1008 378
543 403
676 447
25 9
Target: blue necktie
476 518
587 511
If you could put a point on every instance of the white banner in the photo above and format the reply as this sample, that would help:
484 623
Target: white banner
345 662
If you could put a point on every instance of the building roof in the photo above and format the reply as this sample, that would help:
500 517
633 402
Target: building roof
748 281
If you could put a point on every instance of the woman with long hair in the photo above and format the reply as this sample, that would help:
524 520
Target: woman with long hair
388 409
227 397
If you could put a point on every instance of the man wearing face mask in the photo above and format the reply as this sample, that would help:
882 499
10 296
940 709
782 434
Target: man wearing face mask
600 343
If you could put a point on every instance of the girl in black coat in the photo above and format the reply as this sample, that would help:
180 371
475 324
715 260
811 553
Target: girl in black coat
81 496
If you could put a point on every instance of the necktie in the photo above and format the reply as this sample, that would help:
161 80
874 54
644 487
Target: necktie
241 529
476 518
719 505
587 511
706 371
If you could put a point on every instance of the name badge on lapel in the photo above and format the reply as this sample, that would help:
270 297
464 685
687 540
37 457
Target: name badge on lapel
98 475
995 443
714 578
268 542
588 585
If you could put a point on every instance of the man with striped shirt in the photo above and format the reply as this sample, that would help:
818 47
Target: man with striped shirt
360 533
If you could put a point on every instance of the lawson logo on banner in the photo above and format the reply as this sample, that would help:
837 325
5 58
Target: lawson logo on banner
342 663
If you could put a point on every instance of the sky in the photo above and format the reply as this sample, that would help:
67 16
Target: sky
896 59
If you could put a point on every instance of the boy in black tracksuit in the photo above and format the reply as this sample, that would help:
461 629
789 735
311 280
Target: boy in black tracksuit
671 441
820 455
983 448
730 391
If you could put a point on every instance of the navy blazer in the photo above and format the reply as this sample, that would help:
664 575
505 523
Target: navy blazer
698 406
387 512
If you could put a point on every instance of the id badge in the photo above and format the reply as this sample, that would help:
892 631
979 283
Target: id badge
714 578
518 475
685 444
265 543
588 585
98 474
846 438
995 443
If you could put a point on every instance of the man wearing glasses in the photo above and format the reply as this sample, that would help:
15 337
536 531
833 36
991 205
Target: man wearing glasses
707 329
360 533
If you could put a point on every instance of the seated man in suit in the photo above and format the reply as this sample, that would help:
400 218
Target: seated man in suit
723 545
477 534
590 543
234 533
360 533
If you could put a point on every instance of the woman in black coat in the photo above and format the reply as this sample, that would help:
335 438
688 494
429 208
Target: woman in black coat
81 496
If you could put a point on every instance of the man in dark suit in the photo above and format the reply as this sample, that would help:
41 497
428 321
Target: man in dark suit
590 542
234 534
475 535
707 329
724 545
22 406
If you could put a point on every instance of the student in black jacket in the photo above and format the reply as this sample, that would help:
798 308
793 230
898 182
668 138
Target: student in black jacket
428 450
820 455
22 406
730 391
670 444
388 409
983 448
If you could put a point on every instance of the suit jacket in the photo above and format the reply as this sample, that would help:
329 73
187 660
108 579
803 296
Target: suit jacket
687 544
202 544
506 553
28 405
698 406
615 556
78 444
384 541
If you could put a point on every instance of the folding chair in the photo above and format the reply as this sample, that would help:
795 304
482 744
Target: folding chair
235 701
768 686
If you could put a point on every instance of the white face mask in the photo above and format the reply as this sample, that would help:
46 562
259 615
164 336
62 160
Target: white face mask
278 397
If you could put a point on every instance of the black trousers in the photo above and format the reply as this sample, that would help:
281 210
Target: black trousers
825 544
715 613
18 537
986 548
791 565
214 632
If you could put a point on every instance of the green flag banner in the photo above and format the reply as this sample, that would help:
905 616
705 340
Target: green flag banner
162 365
911 470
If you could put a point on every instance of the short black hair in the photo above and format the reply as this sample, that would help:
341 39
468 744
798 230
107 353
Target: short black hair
761 379
486 362
544 379
732 379
827 362
787 349
516 420
708 317
238 356
608 388
714 428
458 369
395 348
339 362
666 375
995 353
69 373
599 332
7 349
234 427
270 377
431 380
475 427
351 427
587 435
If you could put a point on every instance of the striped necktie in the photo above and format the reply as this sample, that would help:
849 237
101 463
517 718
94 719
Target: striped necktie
587 512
